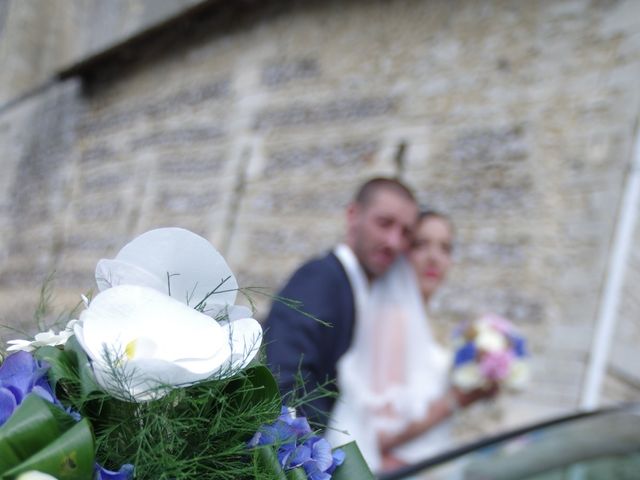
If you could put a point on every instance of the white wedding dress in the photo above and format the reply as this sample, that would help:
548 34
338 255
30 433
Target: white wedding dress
394 368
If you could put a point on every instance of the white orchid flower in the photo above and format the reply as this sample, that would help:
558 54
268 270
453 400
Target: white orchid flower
35 475
142 342
176 262
42 339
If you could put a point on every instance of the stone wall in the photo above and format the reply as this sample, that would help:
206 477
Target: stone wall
254 125
41 38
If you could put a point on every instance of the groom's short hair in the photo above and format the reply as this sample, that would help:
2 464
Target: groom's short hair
368 189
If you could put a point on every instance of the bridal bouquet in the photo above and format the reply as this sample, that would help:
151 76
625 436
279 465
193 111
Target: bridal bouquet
156 379
489 351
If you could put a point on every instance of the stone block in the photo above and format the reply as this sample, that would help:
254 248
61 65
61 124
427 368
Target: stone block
298 202
104 181
195 167
340 110
177 137
505 253
482 148
187 202
99 212
466 304
321 158
93 242
99 153
277 73
170 103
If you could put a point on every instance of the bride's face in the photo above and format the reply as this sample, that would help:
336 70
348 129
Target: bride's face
431 253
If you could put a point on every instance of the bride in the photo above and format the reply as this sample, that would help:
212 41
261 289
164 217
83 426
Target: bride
394 380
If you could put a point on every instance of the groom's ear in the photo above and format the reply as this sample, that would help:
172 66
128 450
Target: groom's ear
350 209
352 218
353 212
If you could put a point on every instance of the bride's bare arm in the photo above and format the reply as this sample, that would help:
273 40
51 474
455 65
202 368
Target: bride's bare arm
438 411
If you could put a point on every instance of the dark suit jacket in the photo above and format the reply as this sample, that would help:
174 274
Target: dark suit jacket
299 344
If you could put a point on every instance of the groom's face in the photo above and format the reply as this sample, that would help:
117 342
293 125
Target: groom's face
379 230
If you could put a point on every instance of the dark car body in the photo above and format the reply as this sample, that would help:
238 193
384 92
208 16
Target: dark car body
603 444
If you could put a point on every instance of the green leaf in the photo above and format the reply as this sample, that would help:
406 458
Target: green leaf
58 360
34 424
264 383
297 474
267 460
70 457
41 436
82 366
70 366
354 466
256 385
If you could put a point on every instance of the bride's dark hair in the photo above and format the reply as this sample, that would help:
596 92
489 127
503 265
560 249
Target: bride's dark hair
427 213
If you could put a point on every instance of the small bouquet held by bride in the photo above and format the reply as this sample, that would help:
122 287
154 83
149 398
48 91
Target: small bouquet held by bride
490 352
158 378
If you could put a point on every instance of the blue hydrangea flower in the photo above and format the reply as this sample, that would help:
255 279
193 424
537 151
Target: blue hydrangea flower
338 456
319 459
125 473
466 353
300 425
298 447
519 346
285 453
276 433
20 375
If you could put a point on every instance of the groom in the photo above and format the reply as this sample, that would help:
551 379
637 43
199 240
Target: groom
380 222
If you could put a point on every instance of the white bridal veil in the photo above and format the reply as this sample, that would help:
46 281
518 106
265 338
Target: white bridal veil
394 368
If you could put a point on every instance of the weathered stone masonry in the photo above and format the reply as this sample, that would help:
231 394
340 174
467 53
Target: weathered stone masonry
252 122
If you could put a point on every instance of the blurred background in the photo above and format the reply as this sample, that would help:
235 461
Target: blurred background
252 123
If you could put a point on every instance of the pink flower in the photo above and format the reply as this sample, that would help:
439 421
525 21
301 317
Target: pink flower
495 366
497 322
